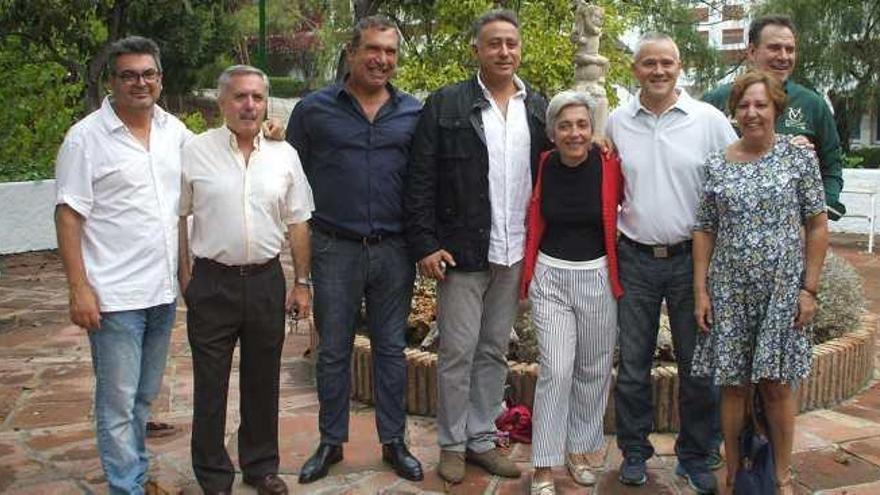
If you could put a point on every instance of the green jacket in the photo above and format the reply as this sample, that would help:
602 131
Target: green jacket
806 114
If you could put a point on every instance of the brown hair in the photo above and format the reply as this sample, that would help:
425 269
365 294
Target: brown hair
742 83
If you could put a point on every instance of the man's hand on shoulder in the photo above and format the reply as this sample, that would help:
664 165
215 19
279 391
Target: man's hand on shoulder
273 130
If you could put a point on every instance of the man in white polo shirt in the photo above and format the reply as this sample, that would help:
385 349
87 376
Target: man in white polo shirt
663 137
118 180
244 194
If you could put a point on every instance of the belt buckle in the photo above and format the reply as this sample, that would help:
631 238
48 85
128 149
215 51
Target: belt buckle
242 270
660 251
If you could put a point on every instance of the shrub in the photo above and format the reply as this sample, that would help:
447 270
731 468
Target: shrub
866 157
841 300
285 87
194 121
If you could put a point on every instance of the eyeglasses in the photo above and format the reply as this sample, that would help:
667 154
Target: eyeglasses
131 77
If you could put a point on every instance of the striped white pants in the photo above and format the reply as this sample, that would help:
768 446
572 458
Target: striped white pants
574 315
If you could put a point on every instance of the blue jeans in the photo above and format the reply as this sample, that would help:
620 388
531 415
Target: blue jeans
346 272
647 281
128 356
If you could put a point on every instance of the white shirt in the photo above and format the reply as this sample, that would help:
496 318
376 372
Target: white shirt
241 211
508 143
662 159
128 197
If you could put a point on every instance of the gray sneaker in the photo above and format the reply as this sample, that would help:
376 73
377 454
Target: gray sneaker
633 471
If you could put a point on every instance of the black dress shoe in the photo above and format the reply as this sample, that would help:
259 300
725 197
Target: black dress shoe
317 466
404 463
268 484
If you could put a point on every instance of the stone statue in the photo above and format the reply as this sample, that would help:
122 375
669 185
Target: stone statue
590 66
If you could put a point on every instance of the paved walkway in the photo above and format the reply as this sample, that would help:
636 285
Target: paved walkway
47 441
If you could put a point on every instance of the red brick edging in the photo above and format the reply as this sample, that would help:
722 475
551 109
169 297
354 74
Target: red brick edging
841 367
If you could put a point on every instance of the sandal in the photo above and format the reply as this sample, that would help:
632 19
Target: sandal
156 429
542 488
580 473
786 486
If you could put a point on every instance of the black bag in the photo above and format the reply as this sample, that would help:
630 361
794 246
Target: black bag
757 473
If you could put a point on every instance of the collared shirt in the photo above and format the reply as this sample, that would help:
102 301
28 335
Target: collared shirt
357 168
508 143
128 198
241 210
662 159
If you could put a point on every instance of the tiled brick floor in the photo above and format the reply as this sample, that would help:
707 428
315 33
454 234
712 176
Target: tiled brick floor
47 441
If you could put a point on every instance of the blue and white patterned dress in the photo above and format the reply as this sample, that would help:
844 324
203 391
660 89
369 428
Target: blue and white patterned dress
756 210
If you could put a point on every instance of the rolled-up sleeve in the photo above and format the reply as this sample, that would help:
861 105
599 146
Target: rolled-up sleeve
298 201
73 177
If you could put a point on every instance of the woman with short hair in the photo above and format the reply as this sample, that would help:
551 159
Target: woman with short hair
570 276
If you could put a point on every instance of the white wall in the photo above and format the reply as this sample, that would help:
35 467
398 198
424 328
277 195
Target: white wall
26 216
26 210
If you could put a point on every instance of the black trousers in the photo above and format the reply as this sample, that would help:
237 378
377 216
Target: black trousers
225 307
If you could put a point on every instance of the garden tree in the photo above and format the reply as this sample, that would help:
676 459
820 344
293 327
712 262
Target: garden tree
76 34
39 104
436 44
838 50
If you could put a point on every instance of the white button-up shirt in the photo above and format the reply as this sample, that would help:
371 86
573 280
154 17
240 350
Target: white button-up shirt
662 158
508 143
128 197
241 210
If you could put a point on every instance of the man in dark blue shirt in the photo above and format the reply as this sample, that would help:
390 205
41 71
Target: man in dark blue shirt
353 140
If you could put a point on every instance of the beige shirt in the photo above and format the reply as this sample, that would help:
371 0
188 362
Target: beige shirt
127 195
241 211
508 144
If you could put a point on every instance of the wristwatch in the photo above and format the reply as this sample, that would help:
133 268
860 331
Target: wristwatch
303 281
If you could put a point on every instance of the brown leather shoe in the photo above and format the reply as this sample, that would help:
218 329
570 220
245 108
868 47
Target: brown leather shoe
451 467
494 462
268 484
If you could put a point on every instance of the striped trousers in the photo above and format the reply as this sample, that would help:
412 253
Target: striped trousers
574 315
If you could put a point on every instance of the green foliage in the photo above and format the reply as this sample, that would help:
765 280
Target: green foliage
286 87
194 121
841 300
76 34
38 108
867 157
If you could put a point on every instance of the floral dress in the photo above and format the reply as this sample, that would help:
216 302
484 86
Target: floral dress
756 210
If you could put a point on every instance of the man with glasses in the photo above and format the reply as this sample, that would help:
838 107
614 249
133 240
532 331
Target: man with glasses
118 182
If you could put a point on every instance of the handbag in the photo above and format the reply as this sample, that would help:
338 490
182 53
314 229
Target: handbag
756 474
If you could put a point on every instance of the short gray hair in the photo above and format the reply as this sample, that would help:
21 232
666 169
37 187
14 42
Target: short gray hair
565 99
239 70
654 37
504 15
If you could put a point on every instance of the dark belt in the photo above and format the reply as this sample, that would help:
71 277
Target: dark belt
239 270
659 250
352 236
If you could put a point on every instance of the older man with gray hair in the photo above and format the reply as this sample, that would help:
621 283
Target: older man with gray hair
244 193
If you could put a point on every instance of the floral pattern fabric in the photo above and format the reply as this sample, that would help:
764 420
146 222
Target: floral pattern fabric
756 210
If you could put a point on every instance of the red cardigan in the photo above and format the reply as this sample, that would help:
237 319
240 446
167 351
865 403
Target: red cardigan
612 195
